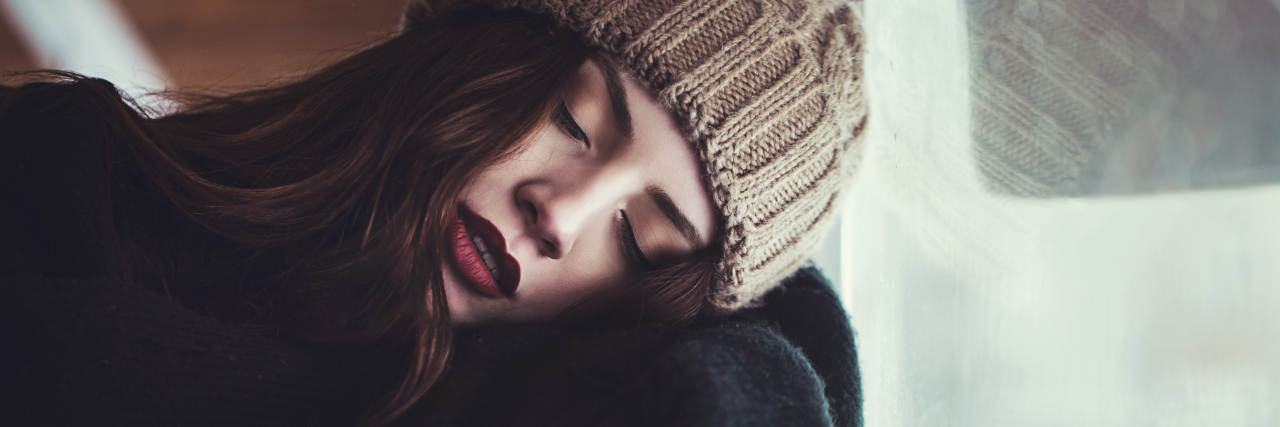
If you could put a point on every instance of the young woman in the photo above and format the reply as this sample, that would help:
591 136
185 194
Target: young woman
646 162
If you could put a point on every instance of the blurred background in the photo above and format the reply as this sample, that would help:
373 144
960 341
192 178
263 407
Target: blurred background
1068 214
1068 211
153 44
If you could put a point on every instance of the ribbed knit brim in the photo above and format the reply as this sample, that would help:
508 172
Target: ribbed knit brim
770 93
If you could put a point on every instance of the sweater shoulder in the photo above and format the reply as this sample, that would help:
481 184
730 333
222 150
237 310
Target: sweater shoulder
94 351
789 362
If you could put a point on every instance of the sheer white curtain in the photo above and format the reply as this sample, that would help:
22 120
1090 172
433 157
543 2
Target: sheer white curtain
1068 214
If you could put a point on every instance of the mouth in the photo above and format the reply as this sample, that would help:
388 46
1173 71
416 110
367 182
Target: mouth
480 253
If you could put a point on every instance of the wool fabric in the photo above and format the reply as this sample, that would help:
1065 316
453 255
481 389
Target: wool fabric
768 91
83 347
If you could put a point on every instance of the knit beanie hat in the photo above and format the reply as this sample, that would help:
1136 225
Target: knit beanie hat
768 91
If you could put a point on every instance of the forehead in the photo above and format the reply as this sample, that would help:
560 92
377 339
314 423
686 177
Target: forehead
660 149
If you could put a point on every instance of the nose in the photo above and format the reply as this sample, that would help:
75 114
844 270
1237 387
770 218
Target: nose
558 212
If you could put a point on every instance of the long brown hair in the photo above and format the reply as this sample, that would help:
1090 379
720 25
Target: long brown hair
317 208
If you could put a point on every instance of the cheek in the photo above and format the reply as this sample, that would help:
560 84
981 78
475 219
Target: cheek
537 152
489 187
464 308
587 271
535 156
584 282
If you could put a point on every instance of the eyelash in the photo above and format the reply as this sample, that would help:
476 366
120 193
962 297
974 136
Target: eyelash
631 247
569 125
629 244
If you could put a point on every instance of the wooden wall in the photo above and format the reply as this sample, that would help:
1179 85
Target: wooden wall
223 44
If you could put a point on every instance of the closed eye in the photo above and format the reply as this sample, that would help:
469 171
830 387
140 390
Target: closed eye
570 125
632 248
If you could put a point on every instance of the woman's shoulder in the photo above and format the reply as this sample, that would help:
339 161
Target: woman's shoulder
790 361
96 351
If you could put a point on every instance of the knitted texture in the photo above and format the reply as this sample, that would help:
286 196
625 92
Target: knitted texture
769 91
1084 97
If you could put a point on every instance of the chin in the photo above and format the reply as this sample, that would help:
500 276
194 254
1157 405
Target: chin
461 303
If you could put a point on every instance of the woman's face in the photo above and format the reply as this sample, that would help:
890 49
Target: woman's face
606 188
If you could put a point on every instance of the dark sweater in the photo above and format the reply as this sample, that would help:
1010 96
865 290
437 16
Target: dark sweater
83 347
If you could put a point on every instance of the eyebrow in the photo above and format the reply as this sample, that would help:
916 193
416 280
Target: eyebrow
617 96
622 114
673 213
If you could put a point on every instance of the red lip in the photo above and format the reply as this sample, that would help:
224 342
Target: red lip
469 262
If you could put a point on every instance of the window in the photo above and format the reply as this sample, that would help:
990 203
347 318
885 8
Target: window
1068 214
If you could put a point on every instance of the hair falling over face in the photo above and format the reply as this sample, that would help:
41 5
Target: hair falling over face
351 175
317 209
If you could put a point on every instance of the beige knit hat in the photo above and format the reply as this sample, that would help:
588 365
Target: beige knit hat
770 91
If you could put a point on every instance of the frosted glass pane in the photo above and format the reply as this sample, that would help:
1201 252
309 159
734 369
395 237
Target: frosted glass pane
1159 306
